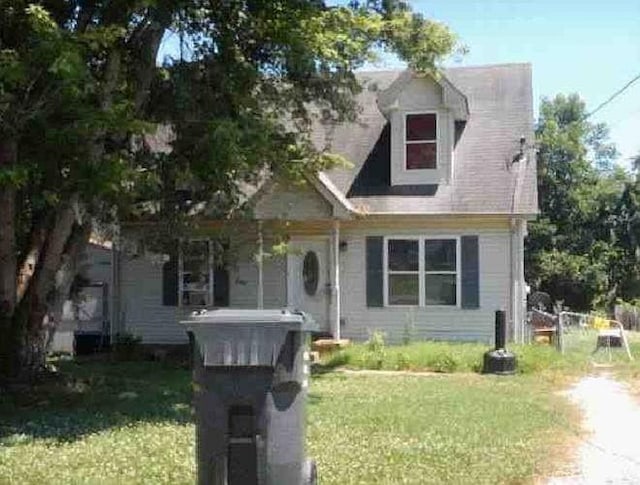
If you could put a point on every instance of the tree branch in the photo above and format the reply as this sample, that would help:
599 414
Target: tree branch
55 245
144 46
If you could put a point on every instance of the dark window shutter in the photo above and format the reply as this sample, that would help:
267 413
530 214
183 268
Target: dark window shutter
170 281
221 287
470 272
375 276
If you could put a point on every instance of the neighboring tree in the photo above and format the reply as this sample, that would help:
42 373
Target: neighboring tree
571 250
81 92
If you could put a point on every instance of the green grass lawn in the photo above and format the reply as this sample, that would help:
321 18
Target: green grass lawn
132 423
460 428
467 357
112 423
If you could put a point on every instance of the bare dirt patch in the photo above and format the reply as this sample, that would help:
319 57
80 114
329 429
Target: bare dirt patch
609 452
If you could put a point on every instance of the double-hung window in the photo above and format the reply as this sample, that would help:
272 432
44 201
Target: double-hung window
194 275
421 141
196 272
422 271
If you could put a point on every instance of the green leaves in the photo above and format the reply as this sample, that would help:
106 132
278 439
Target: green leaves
16 176
40 22
579 250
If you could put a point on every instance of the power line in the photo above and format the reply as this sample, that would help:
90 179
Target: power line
613 96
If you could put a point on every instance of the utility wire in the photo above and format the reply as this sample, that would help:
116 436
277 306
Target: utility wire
613 96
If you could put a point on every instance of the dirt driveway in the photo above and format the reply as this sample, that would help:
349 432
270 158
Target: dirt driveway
610 452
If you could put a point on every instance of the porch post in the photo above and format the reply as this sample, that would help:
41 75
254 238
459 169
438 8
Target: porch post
180 273
336 279
211 266
517 305
114 313
260 267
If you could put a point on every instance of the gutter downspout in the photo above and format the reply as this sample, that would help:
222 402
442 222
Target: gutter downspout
515 226
114 326
516 287
260 302
511 280
336 279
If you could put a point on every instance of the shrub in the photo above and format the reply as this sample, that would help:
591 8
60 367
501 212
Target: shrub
338 359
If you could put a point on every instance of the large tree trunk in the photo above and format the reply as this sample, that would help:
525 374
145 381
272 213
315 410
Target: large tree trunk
65 277
30 296
8 254
26 354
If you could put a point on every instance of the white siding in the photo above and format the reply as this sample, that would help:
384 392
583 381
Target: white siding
156 324
95 266
428 323
243 279
142 310
141 289
292 202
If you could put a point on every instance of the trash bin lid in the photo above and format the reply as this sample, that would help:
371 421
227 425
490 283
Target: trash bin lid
292 319
229 337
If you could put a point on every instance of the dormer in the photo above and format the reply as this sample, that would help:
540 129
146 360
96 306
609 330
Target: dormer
422 110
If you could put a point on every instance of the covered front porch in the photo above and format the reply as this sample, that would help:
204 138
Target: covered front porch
264 264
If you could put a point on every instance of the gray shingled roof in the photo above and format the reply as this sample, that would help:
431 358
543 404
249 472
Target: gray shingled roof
484 181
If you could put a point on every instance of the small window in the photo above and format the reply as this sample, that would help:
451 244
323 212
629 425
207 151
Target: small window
310 273
197 268
195 273
421 135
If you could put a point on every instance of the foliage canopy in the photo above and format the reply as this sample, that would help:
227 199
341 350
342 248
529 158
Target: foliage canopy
84 106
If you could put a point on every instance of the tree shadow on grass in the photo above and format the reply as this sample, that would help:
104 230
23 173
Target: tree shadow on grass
89 397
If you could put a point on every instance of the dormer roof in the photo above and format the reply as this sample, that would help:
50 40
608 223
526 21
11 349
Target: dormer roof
498 104
454 99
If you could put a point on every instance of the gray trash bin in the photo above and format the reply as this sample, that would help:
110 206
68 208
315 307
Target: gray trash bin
250 380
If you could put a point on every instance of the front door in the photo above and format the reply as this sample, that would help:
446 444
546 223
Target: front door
309 279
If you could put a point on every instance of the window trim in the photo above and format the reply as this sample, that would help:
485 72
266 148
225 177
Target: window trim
418 272
406 142
210 291
421 270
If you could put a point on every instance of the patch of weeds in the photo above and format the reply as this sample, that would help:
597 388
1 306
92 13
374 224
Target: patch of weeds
403 361
445 363
374 357
337 359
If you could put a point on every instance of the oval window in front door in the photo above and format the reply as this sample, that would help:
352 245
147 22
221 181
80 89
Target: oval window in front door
310 273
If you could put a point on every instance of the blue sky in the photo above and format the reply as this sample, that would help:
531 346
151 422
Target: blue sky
589 47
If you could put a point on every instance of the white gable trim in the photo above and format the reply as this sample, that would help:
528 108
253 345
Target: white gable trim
341 208
452 96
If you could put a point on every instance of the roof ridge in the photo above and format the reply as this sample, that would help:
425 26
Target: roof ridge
485 66
449 68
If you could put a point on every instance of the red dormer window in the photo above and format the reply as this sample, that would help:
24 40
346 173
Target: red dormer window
421 141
